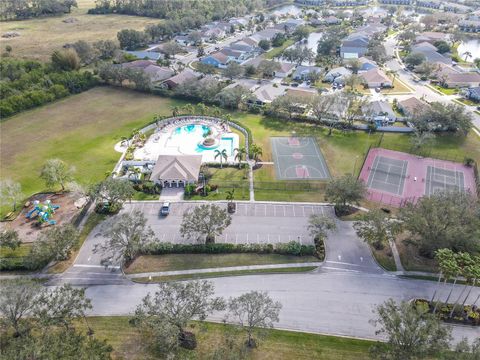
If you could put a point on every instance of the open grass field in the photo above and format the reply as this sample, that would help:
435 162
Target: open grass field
39 37
81 130
170 262
279 344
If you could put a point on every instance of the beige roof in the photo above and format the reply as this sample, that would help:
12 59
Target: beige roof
412 105
177 167
375 75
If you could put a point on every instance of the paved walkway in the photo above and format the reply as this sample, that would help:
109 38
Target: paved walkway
224 269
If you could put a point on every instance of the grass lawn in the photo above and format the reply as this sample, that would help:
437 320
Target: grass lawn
446 91
81 130
226 179
39 37
384 258
170 262
399 87
140 195
279 344
411 260
467 102
276 51
156 279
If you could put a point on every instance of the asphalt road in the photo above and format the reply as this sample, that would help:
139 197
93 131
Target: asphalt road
333 302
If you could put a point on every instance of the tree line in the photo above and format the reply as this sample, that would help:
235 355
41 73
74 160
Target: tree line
25 9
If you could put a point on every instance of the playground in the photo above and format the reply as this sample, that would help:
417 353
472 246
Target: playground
393 177
298 158
43 211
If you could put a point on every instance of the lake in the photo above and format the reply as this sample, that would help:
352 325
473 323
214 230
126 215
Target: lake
472 45
292 10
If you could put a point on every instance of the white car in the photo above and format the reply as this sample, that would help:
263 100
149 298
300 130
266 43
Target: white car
165 209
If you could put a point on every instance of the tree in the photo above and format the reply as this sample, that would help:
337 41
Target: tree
464 351
240 154
252 311
167 312
85 51
278 40
301 32
299 54
17 302
206 221
105 48
222 155
446 219
233 70
376 229
55 244
206 69
131 39
320 226
264 44
127 235
415 59
267 68
255 151
320 106
330 41
345 190
112 192
411 332
289 104
354 65
61 306
9 238
65 60
195 37
56 172
443 117
171 49
466 55
420 138
231 98
10 193
442 46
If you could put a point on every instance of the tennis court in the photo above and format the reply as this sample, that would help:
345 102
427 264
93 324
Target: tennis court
395 178
298 158
440 179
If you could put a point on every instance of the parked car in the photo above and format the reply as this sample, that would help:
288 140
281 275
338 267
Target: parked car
165 209
377 89
295 84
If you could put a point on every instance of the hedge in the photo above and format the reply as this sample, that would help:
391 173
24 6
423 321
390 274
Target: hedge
290 248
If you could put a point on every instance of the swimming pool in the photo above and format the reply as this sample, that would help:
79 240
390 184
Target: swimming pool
188 139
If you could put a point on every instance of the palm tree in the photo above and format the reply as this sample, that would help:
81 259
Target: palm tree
175 111
394 75
467 54
223 156
448 268
123 140
240 155
230 195
188 109
202 108
256 151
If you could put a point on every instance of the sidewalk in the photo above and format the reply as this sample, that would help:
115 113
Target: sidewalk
223 269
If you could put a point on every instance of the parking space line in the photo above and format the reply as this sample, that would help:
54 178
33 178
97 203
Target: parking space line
284 211
236 238
293 207
247 238
265 208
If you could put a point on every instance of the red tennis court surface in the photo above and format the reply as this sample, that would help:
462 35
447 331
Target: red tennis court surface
394 178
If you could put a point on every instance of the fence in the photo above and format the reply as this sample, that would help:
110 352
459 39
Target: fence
391 200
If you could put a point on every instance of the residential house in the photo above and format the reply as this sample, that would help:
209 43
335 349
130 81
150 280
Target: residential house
248 45
411 106
289 25
150 55
379 110
284 70
183 77
469 25
473 93
151 69
236 55
455 8
217 59
430 4
431 37
396 2
310 2
430 52
331 20
238 22
341 3
337 75
301 72
212 34
183 40
376 78
461 80
354 46
176 170
266 34
366 64
247 84
266 93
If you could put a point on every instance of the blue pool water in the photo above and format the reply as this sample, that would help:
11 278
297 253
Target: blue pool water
188 139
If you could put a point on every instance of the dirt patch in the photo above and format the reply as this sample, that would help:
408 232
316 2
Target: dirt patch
29 229
410 258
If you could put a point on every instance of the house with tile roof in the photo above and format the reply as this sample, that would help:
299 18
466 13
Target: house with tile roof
176 170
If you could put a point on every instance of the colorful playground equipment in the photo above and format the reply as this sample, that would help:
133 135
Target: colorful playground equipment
43 212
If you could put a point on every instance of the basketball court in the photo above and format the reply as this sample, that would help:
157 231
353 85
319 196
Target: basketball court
298 158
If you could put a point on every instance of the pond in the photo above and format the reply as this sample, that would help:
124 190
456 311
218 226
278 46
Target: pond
471 45
291 10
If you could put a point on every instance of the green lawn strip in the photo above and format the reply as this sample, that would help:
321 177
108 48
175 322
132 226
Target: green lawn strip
156 279
446 91
467 102
93 220
171 262
141 196
278 50
279 344
383 258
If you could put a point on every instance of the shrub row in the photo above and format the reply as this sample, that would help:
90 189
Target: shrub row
290 248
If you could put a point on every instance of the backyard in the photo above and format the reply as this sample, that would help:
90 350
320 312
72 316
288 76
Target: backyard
32 42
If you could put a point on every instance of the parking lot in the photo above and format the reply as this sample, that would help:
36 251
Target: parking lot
252 223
